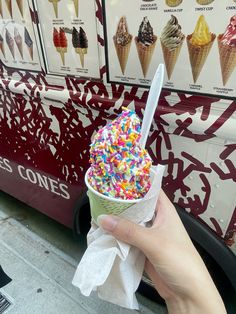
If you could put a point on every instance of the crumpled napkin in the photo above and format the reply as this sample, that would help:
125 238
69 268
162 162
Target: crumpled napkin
113 268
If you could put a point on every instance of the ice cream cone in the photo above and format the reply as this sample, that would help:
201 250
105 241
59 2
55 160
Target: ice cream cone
55 6
122 54
173 3
9 6
2 49
198 55
204 2
1 12
145 54
227 59
76 4
170 57
81 52
20 6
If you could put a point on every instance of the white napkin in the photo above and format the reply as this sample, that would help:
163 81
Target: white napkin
111 267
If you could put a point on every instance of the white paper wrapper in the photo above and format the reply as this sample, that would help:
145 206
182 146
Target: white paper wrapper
111 267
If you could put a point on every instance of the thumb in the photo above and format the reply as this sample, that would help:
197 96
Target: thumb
124 230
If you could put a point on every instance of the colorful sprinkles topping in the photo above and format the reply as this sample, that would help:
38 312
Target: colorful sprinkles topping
120 168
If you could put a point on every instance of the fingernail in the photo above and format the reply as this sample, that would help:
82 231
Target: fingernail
107 222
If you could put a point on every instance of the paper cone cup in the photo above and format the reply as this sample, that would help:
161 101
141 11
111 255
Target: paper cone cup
198 55
172 3
145 54
20 6
1 12
76 5
227 60
104 205
122 54
9 6
170 57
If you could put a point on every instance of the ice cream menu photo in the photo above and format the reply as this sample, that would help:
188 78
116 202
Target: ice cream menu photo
69 34
18 46
194 39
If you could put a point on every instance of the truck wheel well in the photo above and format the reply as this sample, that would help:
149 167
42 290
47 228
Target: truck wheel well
82 216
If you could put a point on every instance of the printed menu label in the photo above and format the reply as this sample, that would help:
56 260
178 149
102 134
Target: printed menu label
69 34
195 40
18 46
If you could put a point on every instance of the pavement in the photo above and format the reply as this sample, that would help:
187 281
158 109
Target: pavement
41 256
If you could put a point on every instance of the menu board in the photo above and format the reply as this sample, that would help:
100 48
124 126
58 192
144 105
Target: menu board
18 46
195 39
69 33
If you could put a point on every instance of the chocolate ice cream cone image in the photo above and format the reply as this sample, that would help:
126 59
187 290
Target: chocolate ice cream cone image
20 6
145 44
80 43
10 43
18 41
227 50
76 5
9 6
2 46
122 41
29 43
1 11
55 6
199 45
171 42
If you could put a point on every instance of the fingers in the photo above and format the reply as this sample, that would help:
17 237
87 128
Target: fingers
125 230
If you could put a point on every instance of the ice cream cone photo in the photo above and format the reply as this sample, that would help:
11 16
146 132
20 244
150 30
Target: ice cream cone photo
55 6
9 7
76 5
10 43
145 44
80 43
122 42
60 43
227 50
199 45
29 43
204 2
21 7
171 42
173 3
18 41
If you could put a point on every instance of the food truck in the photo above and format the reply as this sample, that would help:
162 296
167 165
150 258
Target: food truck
68 67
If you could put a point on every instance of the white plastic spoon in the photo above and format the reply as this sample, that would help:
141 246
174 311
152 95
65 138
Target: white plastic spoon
152 103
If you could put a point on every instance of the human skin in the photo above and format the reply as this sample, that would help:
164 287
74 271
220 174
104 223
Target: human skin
172 262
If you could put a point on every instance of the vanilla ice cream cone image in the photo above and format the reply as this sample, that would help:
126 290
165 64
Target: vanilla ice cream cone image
76 5
172 40
9 7
204 2
119 175
80 43
227 50
199 45
20 6
122 41
55 6
173 3
145 44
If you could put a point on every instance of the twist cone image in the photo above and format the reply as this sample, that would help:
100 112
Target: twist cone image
145 44
1 11
76 5
204 2
122 41
10 43
20 6
60 43
227 50
2 46
173 3
9 6
18 41
199 45
80 43
171 42
55 6
29 43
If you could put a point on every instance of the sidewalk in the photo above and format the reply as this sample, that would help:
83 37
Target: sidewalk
41 277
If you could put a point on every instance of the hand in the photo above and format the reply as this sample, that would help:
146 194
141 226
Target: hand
173 263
